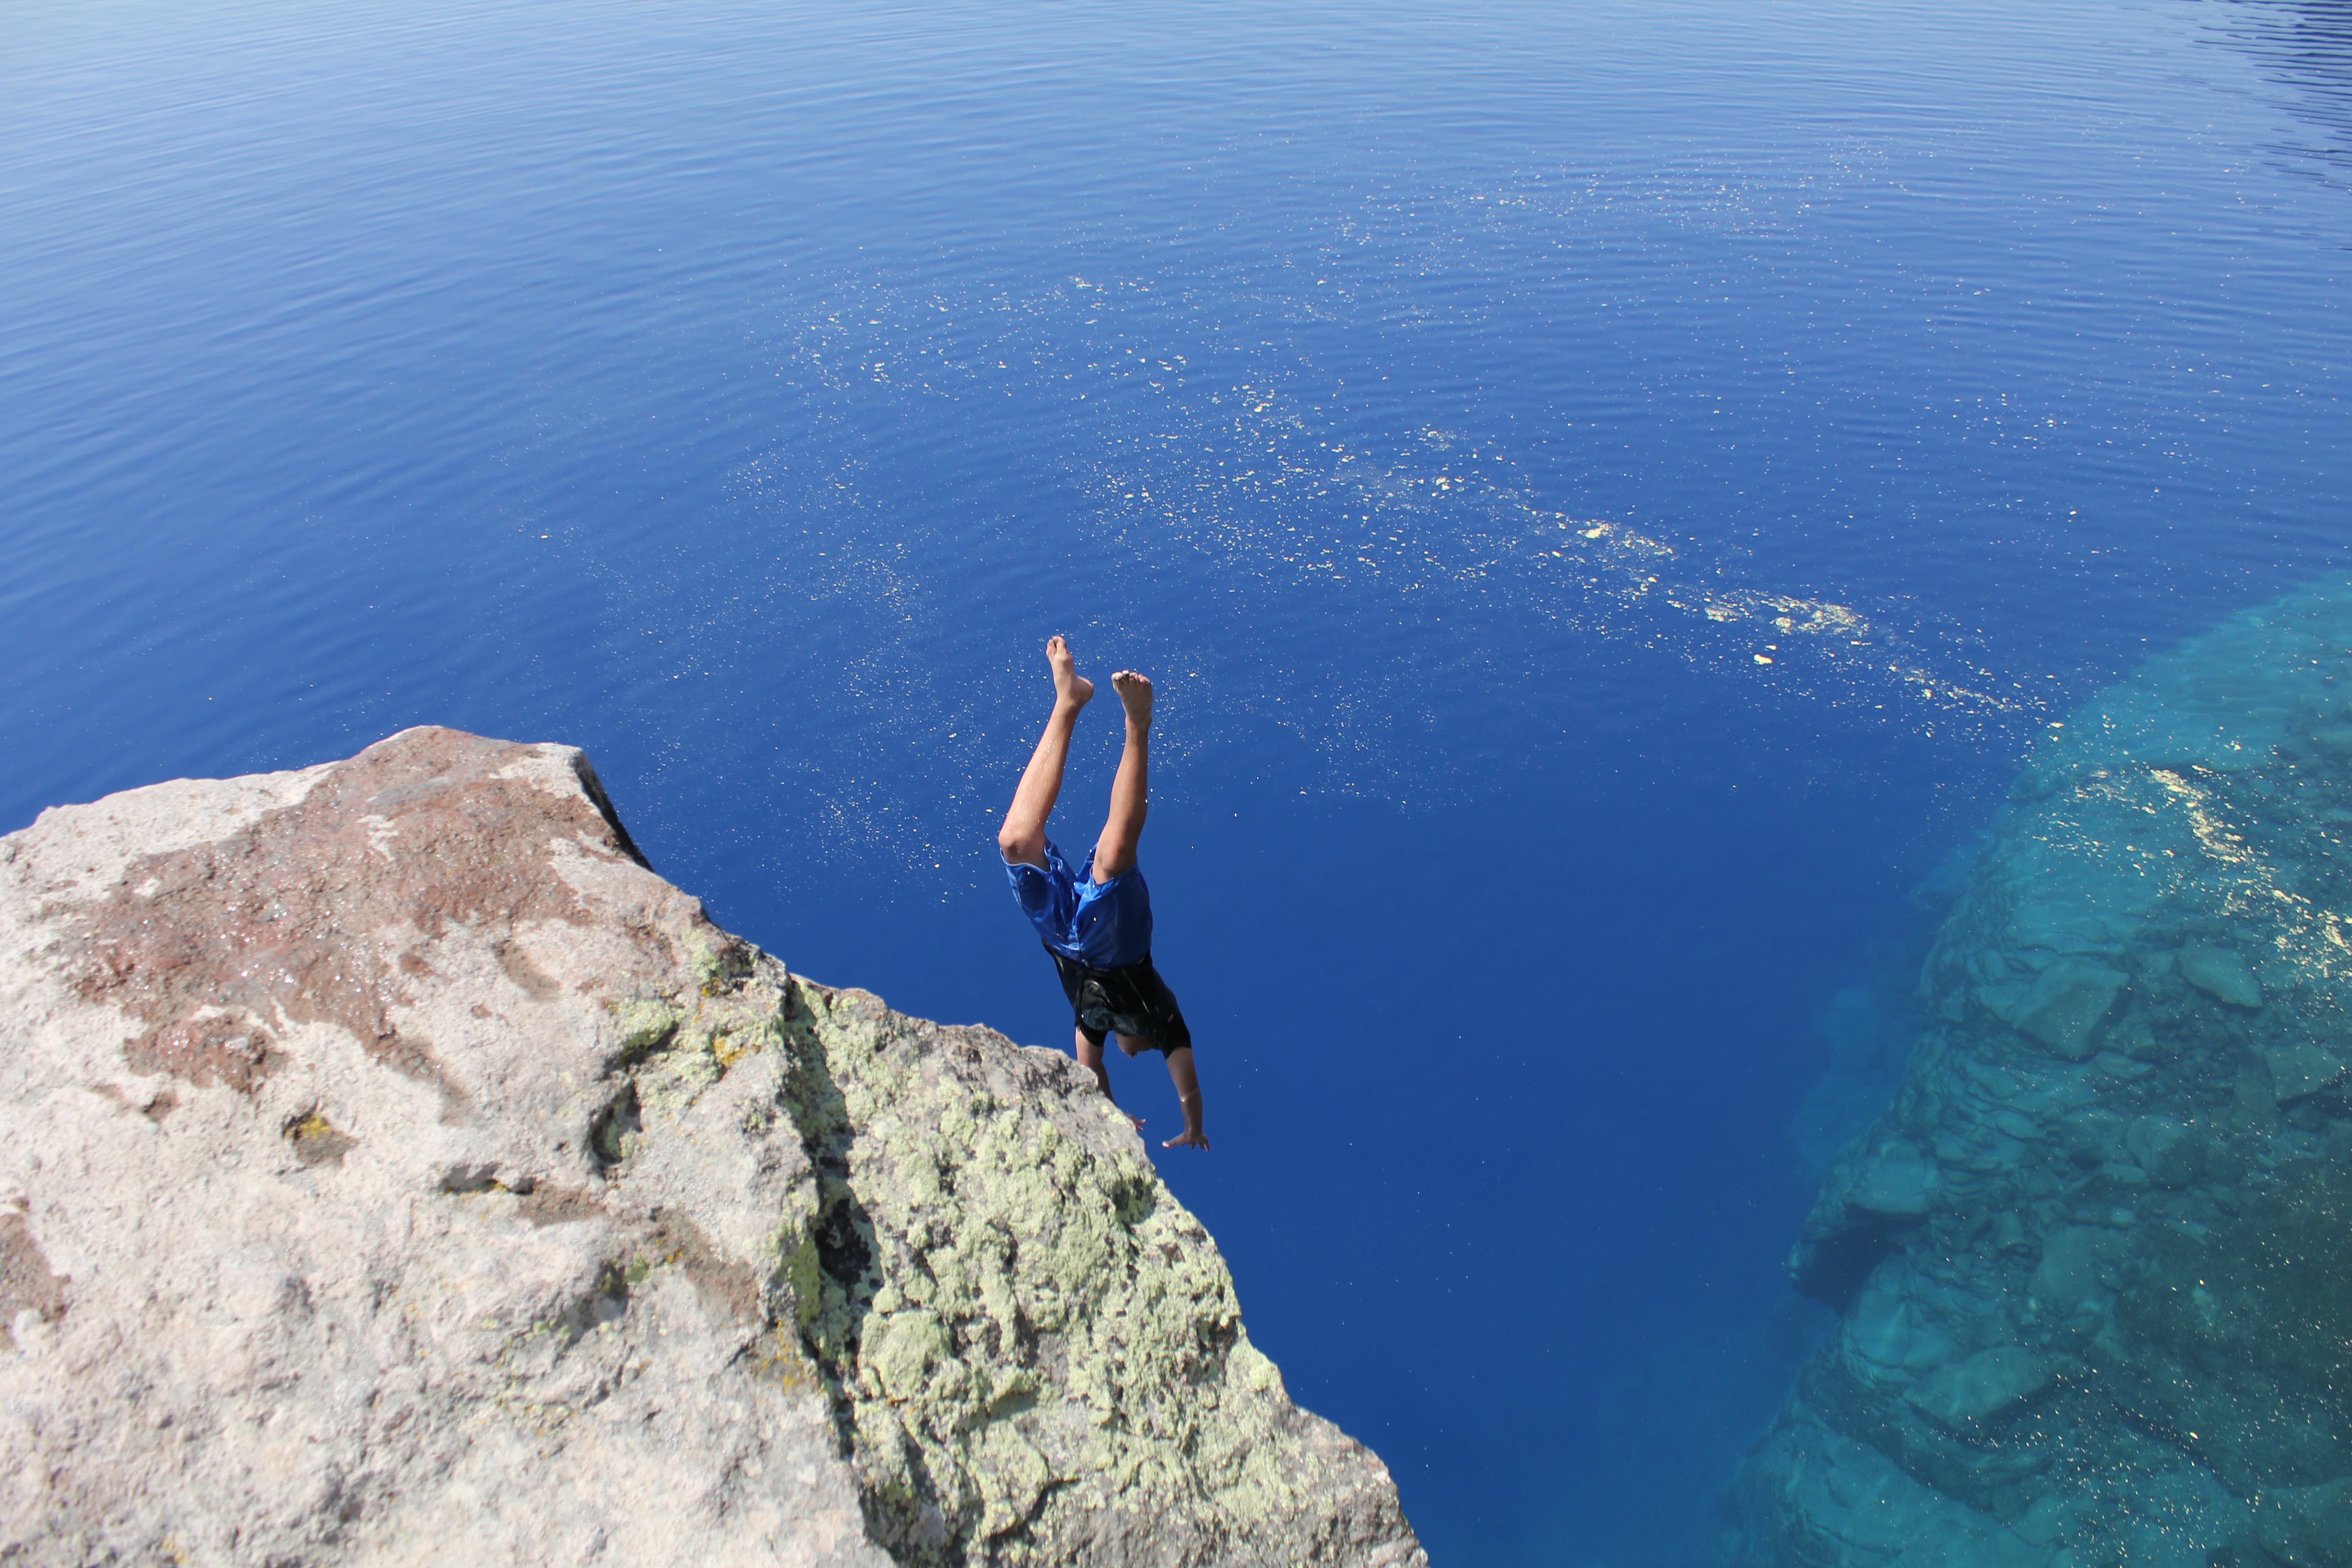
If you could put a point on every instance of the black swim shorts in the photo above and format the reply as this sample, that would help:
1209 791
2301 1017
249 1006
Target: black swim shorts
1131 1000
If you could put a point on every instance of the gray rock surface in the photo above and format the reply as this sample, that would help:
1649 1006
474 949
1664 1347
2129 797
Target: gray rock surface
2094 1266
1967 1394
394 1170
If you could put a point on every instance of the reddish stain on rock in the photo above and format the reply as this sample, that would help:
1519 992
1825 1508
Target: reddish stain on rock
310 914
534 981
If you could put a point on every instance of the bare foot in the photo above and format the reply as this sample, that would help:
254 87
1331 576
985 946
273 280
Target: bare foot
1134 695
1069 686
1188 1141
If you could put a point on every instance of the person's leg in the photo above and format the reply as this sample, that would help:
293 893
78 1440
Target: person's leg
1022 837
1115 850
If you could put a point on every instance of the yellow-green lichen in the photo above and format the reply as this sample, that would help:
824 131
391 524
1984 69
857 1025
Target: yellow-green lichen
642 1025
1019 1324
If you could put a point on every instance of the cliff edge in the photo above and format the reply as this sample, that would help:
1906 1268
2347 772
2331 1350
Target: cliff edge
393 1169
2093 1268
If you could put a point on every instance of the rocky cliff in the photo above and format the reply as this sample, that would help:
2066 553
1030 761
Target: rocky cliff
393 1169
2093 1269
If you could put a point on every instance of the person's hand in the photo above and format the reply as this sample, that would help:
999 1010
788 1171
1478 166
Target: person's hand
1183 1140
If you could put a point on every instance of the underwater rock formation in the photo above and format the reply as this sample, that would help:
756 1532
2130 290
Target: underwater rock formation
393 1169
2094 1266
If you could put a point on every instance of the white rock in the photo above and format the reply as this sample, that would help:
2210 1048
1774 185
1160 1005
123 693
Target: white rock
394 1171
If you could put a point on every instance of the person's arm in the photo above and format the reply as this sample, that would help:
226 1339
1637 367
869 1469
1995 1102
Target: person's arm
1188 1095
1090 1056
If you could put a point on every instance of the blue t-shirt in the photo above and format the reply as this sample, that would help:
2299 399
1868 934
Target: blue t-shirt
1101 924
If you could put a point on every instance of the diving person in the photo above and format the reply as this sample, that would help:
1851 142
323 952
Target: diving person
1096 922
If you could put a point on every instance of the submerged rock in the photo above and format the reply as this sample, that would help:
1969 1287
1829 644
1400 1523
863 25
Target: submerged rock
2220 972
2093 1265
2063 1007
2306 1527
393 1169
1967 1394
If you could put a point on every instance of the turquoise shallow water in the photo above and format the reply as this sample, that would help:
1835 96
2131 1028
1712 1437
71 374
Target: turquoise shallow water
1608 497
2088 1264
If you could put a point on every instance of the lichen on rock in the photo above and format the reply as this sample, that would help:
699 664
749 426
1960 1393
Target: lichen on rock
2091 1266
391 1160
1036 1347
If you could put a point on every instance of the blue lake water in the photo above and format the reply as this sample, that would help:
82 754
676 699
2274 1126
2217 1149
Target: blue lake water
1607 494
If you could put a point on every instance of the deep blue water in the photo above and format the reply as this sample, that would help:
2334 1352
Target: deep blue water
1445 402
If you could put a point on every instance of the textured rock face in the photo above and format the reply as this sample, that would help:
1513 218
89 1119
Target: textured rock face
2094 1267
394 1170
